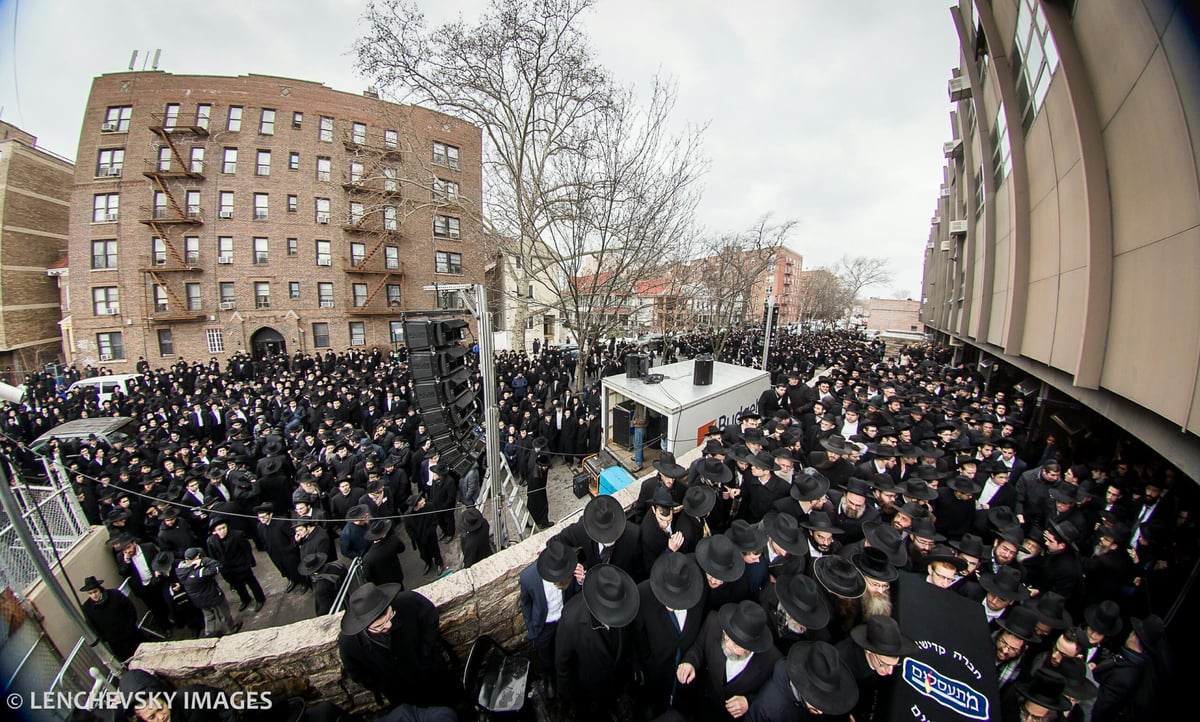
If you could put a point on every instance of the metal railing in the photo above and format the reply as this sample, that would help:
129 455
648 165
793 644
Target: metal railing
55 520
354 579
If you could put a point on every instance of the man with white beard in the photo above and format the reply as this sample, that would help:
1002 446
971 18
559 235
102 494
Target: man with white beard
879 574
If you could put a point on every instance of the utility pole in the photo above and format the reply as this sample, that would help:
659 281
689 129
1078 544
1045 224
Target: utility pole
767 330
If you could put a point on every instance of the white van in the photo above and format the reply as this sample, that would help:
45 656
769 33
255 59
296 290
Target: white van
108 385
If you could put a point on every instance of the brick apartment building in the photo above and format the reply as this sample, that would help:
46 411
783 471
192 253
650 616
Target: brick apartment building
782 280
35 190
212 215
894 314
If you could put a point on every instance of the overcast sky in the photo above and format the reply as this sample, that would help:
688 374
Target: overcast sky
828 112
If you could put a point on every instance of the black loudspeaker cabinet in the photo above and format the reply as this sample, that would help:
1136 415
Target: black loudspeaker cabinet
622 416
702 373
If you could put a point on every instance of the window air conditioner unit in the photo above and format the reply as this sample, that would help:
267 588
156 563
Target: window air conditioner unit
227 215
106 357
228 305
260 216
945 192
160 261
936 220
958 227
225 258
326 304
324 261
323 219
945 245
111 217
112 310
959 89
108 127
952 148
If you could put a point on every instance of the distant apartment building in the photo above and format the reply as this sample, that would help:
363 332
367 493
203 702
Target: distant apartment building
260 214
782 280
894 314
35 193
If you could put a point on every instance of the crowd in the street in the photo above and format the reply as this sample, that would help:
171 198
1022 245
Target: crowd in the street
756 583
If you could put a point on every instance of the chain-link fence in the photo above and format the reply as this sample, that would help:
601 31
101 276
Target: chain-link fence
55 520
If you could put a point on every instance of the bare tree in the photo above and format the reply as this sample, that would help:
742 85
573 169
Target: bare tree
901 293
858 273
822 296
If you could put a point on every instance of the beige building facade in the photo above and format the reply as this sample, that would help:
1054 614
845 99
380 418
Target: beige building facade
1066 236
894 314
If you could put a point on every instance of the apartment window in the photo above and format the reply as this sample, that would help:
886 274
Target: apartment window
325 294
356 213
446 227
322 206
445 262
197 159
359 293
449 300
529 291
297 119
166 345
263 166
203 115
105 207
389 218
1002 155
116 119
391 257
266 126
106 300
160 208
164 159
390 138
293 203
1035 58
192 291
235 119
358 133
293 289
225 249
393 294
293 161
293 246
229 161
260 206
260 250
446 155
358 333
192 204
216 342
227 293
324 257
356 172
191 249
320 335
262 294
980 192
225 201
104 254
444 190
158 251
358 251
390 183
325 131
110 162
161 302
324 169
171 116
111 346
396 331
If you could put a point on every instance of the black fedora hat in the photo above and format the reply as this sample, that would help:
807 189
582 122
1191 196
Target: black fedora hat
965 485
556 563
838 445
862 487
1005 583
1149 630
719 558
1104 618
1051 610
913 510
745 623
970 545
1065 531
367 604
611 595
924 528
264 508
808 486
540 442
272 465
1078 686
926 472
1012 533
1046 688
312 563
739 452
714 470
714 446
163 562
1021 622
884 451
840 576
883 536
946 555
820 521
699 500
378 529
662 498
472 520
873 563
1002 516
676 581
917 489
881 635
753 436
803 601
763 460
1065 492
358 511
820 677
604 519
272 448
666 465
784 530
745 537
91 583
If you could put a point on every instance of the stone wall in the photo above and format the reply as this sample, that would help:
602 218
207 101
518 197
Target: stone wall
303 658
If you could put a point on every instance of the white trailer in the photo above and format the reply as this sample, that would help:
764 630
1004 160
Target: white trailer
680 411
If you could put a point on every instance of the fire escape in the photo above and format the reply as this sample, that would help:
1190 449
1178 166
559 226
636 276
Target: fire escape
376 191
163 218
